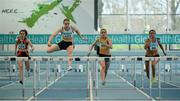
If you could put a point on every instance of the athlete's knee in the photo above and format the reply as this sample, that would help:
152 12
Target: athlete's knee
70 58
49 50
103 67
69 52
153 64
20 66
27 65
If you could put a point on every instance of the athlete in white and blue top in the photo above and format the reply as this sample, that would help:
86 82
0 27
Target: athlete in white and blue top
66 32
151 47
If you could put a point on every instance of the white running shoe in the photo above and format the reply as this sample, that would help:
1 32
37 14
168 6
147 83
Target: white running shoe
69 68
153 80
103 83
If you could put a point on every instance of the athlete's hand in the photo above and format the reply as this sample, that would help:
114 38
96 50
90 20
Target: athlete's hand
165 54
147 42
49 44
32 49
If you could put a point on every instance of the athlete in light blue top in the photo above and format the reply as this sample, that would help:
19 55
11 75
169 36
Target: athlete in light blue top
67 40
151 47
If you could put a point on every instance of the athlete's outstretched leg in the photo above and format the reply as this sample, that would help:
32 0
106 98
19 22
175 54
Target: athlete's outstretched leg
70 52
52 48
27 63
154 69
107 64
20 64
103 67
147 68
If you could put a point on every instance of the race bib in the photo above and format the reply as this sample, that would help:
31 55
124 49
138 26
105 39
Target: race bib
67 35
153 46
21 46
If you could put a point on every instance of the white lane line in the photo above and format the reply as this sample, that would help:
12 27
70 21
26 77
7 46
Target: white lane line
149 97
171 84
9 84
18 81
32 97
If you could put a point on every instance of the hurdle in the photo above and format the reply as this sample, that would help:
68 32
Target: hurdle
93 80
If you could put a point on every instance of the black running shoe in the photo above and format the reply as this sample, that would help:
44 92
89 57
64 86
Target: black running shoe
103 83
20 82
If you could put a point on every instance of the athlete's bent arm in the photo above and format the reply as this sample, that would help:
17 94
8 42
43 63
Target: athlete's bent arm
78 33
31 45
92 47
160 45
53 35
16 46
109 45
146 45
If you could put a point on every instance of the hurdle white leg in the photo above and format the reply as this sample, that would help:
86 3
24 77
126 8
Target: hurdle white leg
96 74
60 68
23 80
175 67
57 70
10 72
134 67
93 73
123 68
159 80
88 86
142 74
34 78
7 68
47 73
64 67
150 76
171 71
132 70
16 71
14 67
38 74
119 67
164 71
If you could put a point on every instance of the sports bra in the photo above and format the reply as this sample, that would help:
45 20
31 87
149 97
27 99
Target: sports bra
67 33
153 45
23 44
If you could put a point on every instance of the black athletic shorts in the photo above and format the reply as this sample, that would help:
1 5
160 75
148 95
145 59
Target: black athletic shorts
22 54
157 55
63 45
105 59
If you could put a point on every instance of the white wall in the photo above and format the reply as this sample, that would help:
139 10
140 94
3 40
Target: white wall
83 14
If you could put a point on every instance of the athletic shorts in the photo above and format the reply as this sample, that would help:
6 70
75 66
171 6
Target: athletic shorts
105 59
63 45
152 56
22 54
157 55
